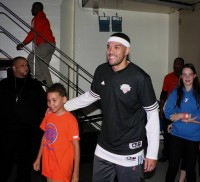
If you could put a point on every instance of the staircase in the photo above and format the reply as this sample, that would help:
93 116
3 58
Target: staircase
70 78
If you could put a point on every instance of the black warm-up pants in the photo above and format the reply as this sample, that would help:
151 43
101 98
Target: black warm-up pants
186 150
166 136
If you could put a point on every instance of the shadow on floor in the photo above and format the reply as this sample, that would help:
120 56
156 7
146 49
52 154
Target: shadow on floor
85 174
88 145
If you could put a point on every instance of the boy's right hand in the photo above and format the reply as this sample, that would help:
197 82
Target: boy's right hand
36 165
48 111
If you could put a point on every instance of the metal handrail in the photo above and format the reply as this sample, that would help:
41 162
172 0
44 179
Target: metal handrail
83 118
76 68
52 69
77 65
5 54
31 28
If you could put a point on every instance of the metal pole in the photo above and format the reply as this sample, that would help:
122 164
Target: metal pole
34 47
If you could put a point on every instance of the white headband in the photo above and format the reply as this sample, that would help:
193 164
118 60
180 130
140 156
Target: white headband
120 40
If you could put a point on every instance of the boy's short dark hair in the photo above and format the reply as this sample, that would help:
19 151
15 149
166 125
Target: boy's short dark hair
59 88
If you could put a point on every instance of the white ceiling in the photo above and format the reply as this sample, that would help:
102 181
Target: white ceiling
157 6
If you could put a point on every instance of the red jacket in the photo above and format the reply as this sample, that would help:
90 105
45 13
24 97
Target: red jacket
170 82
40 24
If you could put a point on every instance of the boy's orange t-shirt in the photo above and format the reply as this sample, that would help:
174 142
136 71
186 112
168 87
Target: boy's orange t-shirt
58 151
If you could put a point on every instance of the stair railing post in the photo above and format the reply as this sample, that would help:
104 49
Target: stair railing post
34 56
68 81
77 79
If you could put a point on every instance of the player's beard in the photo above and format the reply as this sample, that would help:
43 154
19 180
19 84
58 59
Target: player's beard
116 62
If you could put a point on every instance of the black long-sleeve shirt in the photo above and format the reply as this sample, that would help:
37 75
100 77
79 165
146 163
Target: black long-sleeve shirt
28 109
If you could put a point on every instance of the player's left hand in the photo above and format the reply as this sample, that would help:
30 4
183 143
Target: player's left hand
149 164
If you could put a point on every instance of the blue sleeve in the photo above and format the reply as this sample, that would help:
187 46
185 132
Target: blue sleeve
196 114
170 106
191 107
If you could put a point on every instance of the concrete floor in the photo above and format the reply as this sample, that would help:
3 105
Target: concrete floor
86 172
161 169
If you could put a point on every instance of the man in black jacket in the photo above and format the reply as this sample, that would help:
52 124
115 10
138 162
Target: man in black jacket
23 104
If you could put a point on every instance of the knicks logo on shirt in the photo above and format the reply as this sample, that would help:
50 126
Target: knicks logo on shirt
50 133
125 88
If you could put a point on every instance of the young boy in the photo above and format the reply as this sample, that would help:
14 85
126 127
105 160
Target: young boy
59 149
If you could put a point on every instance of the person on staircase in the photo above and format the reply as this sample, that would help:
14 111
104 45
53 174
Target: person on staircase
44 47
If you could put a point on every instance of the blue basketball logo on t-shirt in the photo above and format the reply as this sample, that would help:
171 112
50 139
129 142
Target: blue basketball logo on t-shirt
50 133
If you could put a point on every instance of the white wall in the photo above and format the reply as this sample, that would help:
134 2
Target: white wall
77 33
67 27
67 34
173 39
149 33
189 37
22 8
